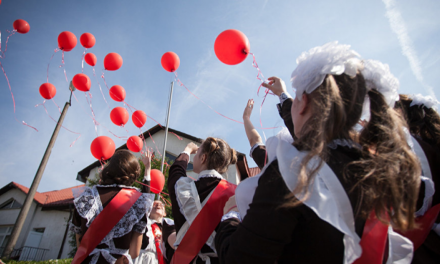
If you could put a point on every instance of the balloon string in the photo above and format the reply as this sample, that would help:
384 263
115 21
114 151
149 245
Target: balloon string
13 100
154 143
168 203
6 43
94 120
94 74
59 109
181 84
261 78
62 65
91 109
152 187
82 60
55 51
45 109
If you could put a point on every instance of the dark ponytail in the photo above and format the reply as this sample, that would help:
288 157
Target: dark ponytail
219 154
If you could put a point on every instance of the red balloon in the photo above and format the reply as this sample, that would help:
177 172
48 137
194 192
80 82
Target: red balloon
48 90
231 47
102 148
90 58
139 118
170 61
134 143
66 41
117 93
112 61
157 181
21 26
87 40
119 116
81 82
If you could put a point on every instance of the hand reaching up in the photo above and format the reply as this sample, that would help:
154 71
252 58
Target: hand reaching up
275 85
248 110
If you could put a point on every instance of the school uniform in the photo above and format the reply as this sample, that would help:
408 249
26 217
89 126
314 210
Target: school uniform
318 231
429 156
148 253
192 194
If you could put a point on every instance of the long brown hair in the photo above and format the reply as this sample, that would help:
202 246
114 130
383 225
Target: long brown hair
422 121
219 154
123 168
388 180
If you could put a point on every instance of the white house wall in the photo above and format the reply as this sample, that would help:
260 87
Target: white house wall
54 222
175 147
9 216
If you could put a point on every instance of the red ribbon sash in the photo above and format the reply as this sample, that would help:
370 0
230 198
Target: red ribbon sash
373 241
157 233
424 223
105 221
204 224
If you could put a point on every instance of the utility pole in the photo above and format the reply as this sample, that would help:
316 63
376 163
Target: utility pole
30 196
166 128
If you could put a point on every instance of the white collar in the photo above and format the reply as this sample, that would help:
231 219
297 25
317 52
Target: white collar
210 173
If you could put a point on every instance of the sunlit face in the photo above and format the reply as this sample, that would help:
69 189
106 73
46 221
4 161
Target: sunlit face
158 210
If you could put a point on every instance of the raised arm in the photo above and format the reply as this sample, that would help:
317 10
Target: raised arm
177 171
278 87
147 174
251 132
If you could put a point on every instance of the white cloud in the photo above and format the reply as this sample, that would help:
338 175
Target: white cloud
398 26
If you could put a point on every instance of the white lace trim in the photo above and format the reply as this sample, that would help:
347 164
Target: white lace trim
89 205
73 228
427 101
315 64
231 214
343 143
210 174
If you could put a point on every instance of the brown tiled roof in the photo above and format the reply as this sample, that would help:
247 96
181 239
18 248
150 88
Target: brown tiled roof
58 198
254 171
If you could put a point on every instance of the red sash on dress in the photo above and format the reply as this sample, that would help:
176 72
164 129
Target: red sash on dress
204 224
157 233
424 223
105 221
373 241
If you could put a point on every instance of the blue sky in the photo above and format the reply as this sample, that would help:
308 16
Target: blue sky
404 35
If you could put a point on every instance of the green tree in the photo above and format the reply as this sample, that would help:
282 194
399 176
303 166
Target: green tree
156 163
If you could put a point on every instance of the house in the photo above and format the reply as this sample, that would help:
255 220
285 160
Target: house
44 235
176 143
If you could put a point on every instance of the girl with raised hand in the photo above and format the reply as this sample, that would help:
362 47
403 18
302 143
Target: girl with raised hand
313 198
123 242
424 127
258 149
189 197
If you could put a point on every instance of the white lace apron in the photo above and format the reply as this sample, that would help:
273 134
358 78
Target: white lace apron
88 205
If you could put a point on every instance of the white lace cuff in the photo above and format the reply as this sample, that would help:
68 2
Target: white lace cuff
73 228
147 176
255 146
187 153
283 97
231 214
140 227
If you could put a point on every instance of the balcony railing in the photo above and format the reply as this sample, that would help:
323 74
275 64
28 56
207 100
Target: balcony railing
27 253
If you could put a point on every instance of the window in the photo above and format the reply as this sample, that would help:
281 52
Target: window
5 233
172 157
10 204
